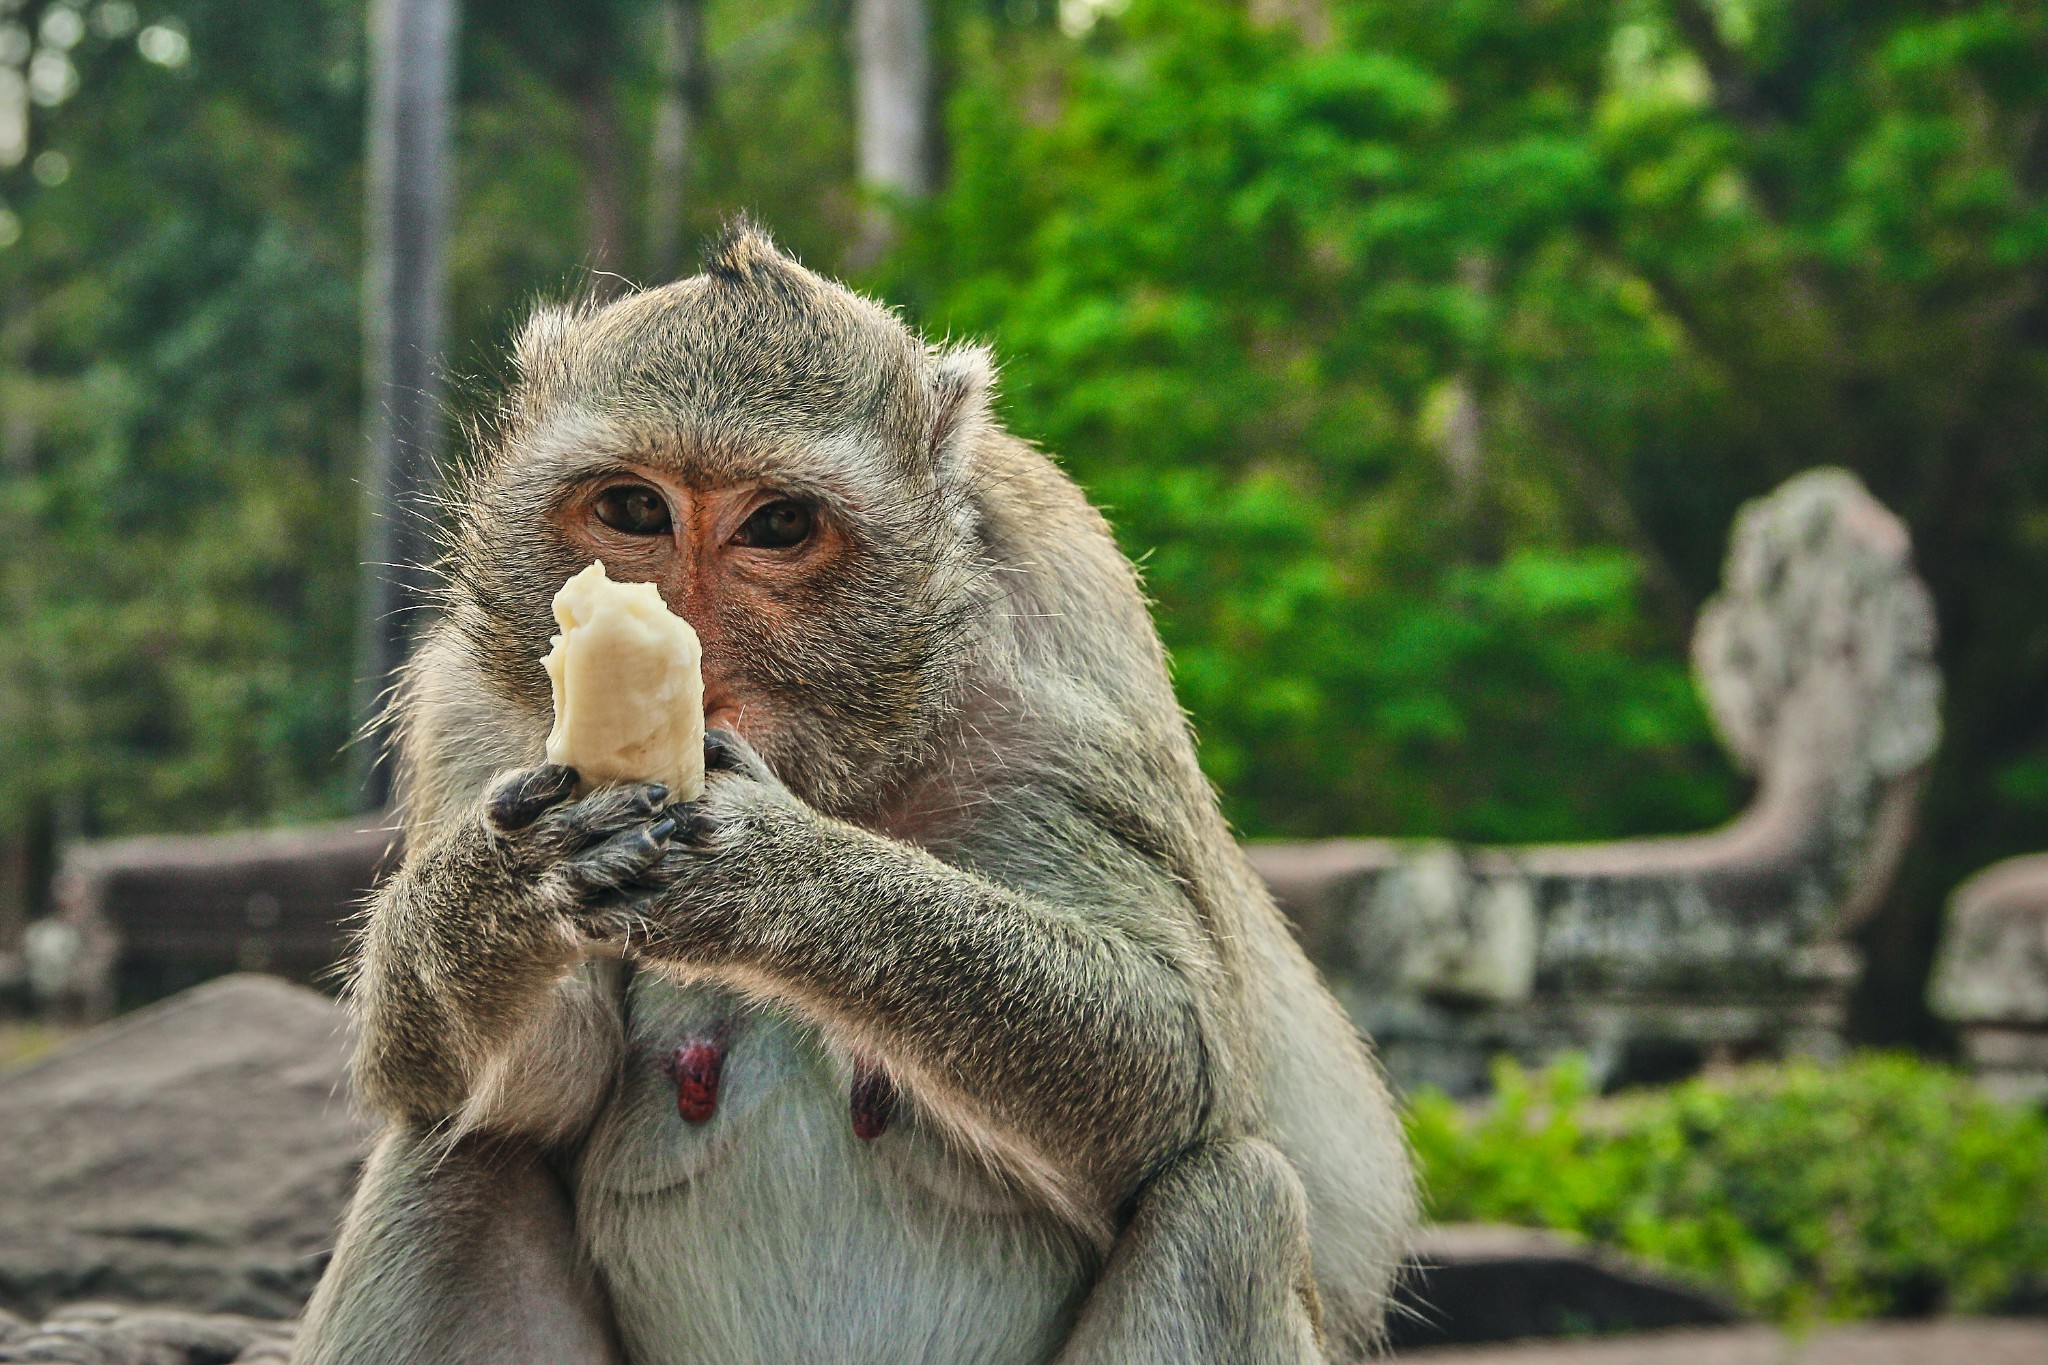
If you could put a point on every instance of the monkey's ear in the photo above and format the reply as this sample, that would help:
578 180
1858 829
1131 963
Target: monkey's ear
961 385
542 335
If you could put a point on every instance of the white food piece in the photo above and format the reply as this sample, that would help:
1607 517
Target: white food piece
629 686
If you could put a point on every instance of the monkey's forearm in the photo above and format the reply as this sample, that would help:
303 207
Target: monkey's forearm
467 969
1061 1029
440 990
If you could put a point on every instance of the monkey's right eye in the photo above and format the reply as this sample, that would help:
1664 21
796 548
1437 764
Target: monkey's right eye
633 508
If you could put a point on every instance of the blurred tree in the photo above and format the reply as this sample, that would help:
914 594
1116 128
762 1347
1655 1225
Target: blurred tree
409 167
892 64
678 108
180 210
179 388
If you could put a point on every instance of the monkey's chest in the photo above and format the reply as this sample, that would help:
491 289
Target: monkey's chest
752 1197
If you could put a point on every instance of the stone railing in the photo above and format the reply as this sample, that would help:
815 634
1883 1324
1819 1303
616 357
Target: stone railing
1991 976
1654 955
1816 660
139 919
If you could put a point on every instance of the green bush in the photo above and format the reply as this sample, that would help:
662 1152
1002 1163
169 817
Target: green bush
1882 1185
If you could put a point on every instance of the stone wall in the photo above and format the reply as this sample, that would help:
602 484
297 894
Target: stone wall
139 919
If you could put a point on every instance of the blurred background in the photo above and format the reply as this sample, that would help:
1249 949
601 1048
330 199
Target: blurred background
1422 354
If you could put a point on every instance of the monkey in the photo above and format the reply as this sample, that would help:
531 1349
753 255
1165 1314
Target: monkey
948 1024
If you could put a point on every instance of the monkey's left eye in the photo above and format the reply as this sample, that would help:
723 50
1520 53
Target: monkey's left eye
777 525
633 508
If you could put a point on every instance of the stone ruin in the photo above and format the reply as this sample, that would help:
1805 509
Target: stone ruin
139 919
1650 956
1990 979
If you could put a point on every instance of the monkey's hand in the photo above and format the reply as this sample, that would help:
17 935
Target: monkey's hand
479 926
1064 1035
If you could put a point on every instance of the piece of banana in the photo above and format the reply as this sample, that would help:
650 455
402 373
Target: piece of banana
629 686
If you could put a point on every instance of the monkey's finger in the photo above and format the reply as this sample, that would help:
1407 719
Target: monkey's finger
696 826
726 752
603 813
520 798
619 859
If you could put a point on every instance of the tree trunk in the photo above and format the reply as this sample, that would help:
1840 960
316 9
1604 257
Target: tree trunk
412 79
675 128
892 67
893 78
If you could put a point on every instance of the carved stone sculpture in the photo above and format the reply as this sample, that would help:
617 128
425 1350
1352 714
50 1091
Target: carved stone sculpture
1817 663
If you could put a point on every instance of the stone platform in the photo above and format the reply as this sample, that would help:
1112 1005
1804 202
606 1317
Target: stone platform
1951 1341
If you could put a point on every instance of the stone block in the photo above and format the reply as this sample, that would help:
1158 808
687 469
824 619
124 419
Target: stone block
140 919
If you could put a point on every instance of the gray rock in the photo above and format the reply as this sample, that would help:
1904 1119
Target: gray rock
110 1334
194 1153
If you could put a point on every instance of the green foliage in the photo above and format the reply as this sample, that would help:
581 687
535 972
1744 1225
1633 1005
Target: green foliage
1880 1185
1243 286
179 320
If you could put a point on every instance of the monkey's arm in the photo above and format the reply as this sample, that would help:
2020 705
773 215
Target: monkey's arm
469 1002
1072 1041
457 1253
483 1044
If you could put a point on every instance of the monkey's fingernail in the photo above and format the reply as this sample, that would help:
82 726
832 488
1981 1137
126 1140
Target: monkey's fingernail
662 828
657 792
519 801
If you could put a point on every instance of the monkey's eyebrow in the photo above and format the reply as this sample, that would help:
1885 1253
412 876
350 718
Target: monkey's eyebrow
563 485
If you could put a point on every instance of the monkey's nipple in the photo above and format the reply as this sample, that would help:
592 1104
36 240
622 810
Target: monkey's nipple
873 1102
696 1067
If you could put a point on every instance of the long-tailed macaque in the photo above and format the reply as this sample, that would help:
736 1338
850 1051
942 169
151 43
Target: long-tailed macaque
948 1025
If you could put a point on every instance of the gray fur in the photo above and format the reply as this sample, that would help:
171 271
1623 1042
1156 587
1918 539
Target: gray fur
965 839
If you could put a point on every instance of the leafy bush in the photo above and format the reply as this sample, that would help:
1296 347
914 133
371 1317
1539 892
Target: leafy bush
1882 1185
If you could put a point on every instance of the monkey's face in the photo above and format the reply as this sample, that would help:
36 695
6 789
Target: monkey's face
776 455
734 561
827 634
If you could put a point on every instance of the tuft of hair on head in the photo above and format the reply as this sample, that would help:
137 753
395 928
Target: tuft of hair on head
546 328
742 251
